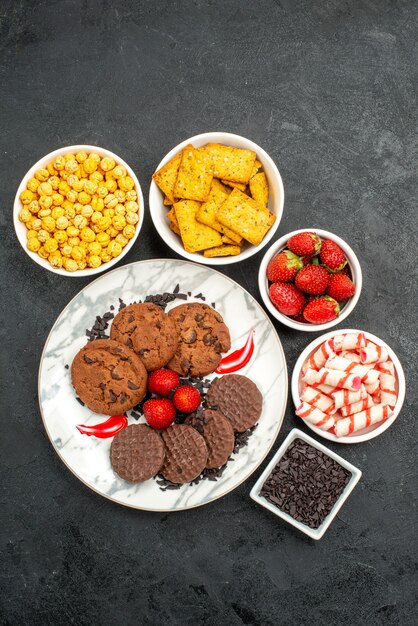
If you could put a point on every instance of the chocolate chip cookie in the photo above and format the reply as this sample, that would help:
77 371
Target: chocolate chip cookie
137 453
238 398
185 453
203 336
147 330
108 377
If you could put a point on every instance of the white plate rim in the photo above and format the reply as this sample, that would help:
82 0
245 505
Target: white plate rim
274 437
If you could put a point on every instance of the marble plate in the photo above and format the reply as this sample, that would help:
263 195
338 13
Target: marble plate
88 457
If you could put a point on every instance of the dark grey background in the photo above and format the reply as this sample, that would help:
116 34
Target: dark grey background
328 89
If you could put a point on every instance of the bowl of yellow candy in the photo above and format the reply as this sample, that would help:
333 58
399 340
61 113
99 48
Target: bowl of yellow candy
78 210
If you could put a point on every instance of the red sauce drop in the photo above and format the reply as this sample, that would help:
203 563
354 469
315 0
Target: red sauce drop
104 430
238 359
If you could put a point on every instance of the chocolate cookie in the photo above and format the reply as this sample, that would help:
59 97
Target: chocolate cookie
218 434
203 337
147 330
238 398
108 377
185 453
137 453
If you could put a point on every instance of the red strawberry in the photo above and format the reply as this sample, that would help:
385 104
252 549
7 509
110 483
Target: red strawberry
162 382
340 287
332 256
286 298
159 412
305 244
321 310
312 279
187 399
283 267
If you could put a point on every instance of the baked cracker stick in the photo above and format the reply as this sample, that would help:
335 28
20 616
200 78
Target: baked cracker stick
349 341
334 378
366 373
388 393
343 397
318 400
373 353
362 405
315 416
372 415
320 356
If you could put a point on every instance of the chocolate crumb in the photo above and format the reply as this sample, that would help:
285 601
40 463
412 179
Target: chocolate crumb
80 401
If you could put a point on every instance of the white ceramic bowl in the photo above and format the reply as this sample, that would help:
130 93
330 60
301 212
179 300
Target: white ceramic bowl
345 311
21 229
276 198
366 433
314 533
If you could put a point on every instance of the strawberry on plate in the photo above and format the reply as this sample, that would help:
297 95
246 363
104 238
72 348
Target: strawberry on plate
159 412
305 244
312 279
332 256
340 287
283 267
321 310
286 298
162 382
187 399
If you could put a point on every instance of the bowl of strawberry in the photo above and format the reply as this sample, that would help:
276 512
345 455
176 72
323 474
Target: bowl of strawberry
310 280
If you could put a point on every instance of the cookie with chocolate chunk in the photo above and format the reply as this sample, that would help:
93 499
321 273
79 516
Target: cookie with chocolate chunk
148 331
137 453
238 398
203 337
108 377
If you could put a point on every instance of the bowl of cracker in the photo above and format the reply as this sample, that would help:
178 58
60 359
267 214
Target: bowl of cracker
216 198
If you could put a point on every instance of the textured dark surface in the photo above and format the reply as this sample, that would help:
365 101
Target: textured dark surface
328 88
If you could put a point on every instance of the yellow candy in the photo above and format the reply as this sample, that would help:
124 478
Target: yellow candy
90 165
96 177
51 169
105 256
70 212
120 195
132 206
57 212
81 265
59 163
81 156
102 191
25 215
109 212
132 218
74 241
70 265
107 164
63 187
42 175
97 215
32 184
80 222
78 208
36 224
121 239
112 232
55 259
33 244
120 209
111 185
84 198
73 231
126 183
103 239
78 253
54 181
96 157
51 245
104 223
27 196
94 260
45 202
131 195
71 165
48 223
119 222
31 233
66 250
114 248
78 185
86 210
57 199
69 157
94 248
43 253
110 201
34 206
90 187
97 204
62 222
60 236
119 171
87 234
84 245
72 180
43 235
